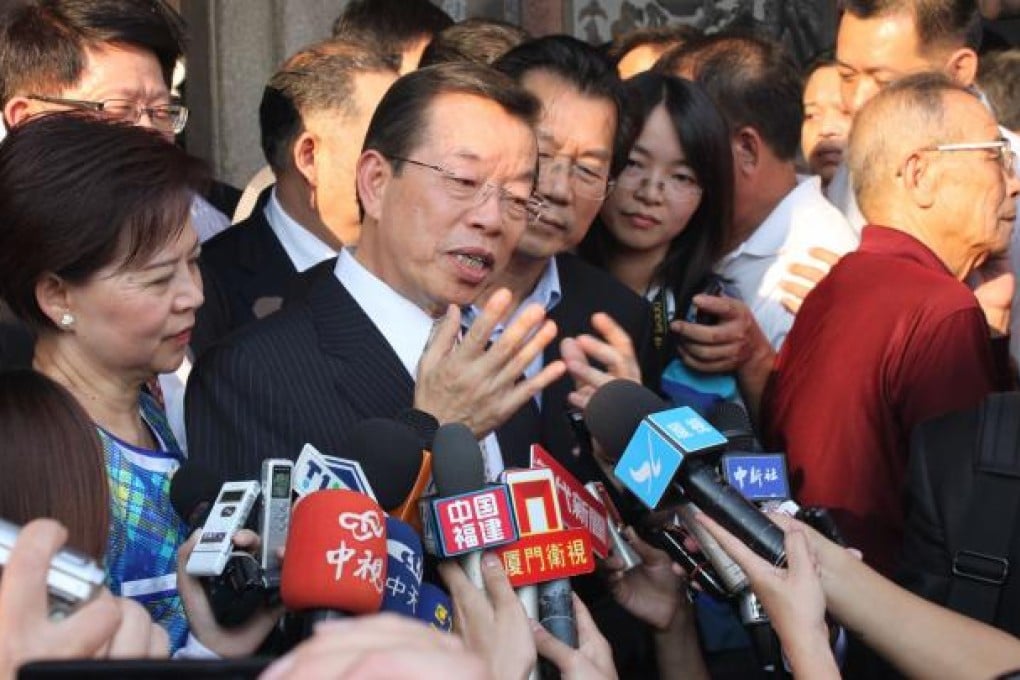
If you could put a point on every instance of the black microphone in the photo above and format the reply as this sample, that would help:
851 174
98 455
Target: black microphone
733 422
615 412
390 455
457 468
240 589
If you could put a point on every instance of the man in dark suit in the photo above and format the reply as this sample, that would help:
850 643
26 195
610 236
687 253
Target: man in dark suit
313 116
444 202
581 113
600 319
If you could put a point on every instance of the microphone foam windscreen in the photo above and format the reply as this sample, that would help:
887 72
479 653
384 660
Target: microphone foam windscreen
336 554
403 568
192 485
457 465
615 411
390 455
733 422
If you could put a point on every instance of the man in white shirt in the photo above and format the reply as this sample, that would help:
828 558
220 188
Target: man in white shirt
444 203
756 85
313 117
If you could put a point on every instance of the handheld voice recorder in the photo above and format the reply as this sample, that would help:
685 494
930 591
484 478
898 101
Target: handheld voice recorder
72 580
275 520
226 518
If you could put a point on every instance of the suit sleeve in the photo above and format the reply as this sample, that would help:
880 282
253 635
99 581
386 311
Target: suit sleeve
233 415
212 320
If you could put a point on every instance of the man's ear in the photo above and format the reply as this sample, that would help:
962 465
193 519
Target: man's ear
920 180
53 297
16 110
303 157
962 66
373 174
747 148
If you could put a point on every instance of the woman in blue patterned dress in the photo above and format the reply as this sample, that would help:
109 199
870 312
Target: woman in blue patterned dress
98 256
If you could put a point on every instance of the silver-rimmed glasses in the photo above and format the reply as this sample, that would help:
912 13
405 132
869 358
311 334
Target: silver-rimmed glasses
1003 151
469 190
679 188
166 118
585 181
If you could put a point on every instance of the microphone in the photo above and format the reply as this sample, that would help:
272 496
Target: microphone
733 422
435 608
390 455
657 448
403 568
240 589
457 469
336 556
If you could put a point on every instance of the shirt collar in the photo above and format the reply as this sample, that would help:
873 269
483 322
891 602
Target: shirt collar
304 249
887 241
404 324
768 239
547 293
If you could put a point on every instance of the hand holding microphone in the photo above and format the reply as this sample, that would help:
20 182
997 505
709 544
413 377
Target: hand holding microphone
793 598
235 641
491 621
651 591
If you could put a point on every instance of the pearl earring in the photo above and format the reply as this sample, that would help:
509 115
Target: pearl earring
67 320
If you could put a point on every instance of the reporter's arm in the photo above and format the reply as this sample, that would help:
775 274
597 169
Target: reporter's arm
735 344
920 638
793 598
593 658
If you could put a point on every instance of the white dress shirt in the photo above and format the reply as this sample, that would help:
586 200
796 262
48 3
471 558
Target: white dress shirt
405 326
304 248
803 219
547 294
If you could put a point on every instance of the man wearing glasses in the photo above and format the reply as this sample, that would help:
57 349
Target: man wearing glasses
444 201
893 336
581 111
581 108
112 57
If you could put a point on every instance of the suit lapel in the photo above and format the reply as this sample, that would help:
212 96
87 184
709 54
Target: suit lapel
367 369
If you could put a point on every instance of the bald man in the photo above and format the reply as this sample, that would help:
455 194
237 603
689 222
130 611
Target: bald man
893 336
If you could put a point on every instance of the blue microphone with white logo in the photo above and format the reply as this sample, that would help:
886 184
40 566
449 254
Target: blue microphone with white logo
403 568
658 449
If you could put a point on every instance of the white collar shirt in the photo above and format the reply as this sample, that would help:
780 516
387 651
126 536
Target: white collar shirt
804 219
304 248
405 326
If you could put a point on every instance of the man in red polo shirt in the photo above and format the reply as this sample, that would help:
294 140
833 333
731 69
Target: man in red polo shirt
894 336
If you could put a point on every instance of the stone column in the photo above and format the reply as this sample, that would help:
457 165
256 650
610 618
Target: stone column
234 46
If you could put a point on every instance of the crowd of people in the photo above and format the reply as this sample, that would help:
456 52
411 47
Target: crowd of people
463 223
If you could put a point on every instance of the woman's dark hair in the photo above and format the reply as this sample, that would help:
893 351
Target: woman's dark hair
52 460
81 193
704 136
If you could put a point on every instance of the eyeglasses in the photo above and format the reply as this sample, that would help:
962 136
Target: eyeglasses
586 182
678 188
513 208
167 118
1003 151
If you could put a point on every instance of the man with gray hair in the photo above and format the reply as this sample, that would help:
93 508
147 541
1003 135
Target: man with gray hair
313 116
893 336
